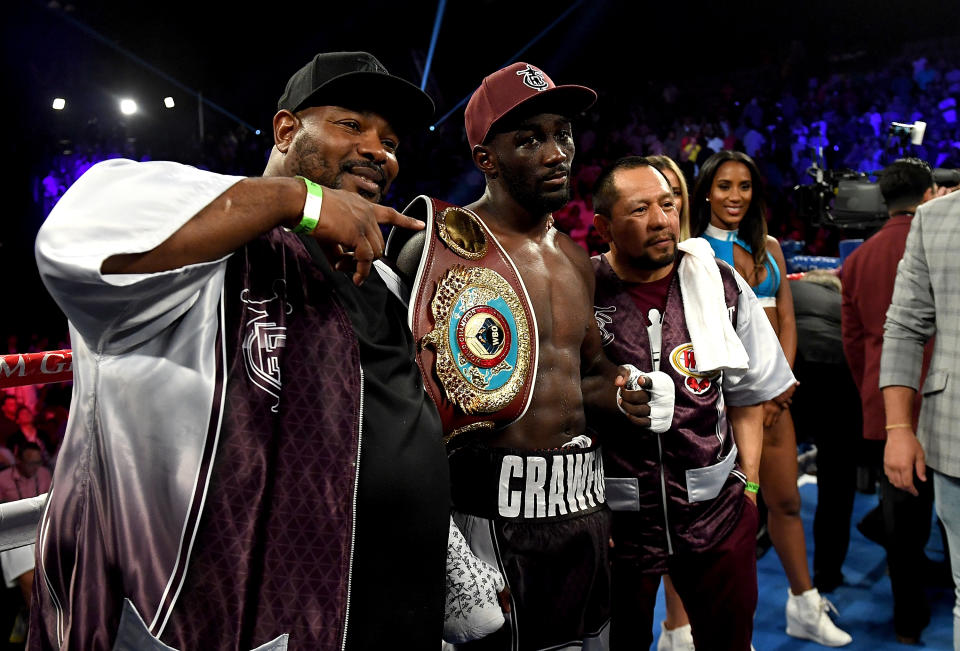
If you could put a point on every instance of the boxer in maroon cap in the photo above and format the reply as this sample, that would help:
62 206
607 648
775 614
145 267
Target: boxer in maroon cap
549 531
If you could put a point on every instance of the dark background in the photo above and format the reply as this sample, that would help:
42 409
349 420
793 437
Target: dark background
239 55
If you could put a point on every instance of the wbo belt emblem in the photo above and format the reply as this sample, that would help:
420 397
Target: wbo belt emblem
684 362
481 338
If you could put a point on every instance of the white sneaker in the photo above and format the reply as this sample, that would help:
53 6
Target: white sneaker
679 639
808 619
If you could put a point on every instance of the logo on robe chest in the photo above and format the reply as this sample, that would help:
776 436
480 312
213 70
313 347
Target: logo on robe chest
684 362
604 318
481 338
263 341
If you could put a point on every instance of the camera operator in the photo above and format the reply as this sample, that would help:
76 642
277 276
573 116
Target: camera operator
945 181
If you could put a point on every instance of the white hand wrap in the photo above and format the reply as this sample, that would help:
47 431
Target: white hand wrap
662 394
472 609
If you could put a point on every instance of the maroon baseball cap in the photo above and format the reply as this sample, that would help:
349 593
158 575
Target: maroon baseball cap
516 85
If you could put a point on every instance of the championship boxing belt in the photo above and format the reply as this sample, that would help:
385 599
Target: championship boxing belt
472 319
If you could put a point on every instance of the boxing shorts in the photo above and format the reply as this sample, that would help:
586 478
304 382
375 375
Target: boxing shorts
540 518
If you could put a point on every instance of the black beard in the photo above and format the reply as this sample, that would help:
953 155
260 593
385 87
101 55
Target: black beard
646 263
347 167
312 165
533 199
556 202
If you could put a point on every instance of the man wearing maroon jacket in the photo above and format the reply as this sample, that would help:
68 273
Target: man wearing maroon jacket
868 277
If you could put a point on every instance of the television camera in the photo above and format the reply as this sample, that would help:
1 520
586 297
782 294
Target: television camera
847 199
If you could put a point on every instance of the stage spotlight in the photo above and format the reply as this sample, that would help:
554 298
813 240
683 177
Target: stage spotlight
433 127
168 102
257 132
128 106
59 103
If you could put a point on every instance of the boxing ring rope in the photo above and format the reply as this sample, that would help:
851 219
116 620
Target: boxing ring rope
20 369
19 520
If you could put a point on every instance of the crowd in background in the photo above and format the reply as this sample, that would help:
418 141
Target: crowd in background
789 119
33 419
838 120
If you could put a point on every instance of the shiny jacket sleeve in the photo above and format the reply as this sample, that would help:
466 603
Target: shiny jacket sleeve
768 374
121 206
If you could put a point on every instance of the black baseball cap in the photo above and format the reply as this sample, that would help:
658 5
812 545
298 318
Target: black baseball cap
357 80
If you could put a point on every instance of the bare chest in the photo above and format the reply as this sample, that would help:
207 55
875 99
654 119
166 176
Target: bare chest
558 293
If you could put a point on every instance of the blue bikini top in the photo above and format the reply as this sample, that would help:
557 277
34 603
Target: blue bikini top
722 242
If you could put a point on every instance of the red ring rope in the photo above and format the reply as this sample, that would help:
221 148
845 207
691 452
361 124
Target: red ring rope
21 369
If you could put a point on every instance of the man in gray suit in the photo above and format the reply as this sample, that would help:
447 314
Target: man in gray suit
926 302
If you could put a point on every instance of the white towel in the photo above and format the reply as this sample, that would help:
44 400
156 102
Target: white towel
716 345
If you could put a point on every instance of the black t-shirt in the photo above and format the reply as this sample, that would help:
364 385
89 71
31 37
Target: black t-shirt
403 498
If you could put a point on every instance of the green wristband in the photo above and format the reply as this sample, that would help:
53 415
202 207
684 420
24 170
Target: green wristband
752 487
311 207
